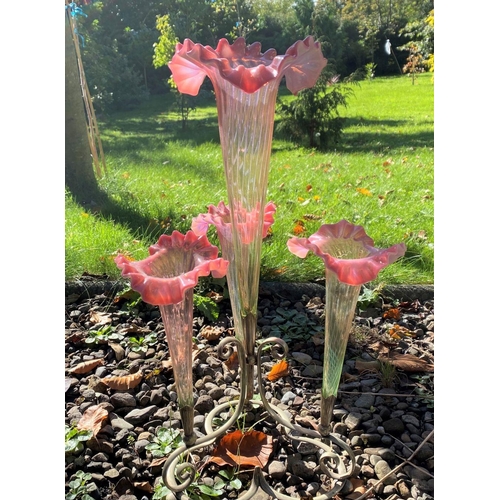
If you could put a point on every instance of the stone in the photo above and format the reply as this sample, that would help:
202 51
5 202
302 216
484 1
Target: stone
277 469
288 396
394 426
204 404
303 469
365 401
353 420
302 357
122 399
141 415
381 469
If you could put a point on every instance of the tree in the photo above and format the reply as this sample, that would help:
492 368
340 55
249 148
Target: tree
420 47
314 113
79 171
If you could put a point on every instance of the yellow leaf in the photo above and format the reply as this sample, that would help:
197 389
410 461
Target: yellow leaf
364 191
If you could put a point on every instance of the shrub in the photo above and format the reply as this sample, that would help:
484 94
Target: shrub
314 113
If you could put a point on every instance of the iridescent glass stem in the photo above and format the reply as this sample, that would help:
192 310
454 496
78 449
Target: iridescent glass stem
246 129
340 304
178 321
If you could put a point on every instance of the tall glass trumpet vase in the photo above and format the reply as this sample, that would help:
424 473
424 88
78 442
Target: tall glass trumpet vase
246 84
350 260
166 279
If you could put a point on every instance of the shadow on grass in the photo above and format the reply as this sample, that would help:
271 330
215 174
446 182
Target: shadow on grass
382 135
139 226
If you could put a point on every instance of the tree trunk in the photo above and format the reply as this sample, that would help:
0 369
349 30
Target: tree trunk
80 177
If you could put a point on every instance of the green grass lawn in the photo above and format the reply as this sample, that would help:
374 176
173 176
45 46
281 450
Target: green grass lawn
158 177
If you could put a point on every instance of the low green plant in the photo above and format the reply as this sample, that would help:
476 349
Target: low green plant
369 297
200 491
165 441
141 344
80 487
103 335
74 439
425 387
206 306
292 325
388 374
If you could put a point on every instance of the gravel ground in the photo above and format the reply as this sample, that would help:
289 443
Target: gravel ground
384 410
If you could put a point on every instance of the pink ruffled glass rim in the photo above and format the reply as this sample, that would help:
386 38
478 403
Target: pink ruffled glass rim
164 276
245 66
363 262
220 217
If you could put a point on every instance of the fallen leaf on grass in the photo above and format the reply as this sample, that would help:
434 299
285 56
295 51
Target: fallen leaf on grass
92 419
408 362
278 371
299 227
238 449
123 383
86 366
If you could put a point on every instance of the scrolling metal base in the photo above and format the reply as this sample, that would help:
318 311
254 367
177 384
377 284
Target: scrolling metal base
178 475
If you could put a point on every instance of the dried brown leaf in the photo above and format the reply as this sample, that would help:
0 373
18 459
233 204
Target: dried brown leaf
99 318
367 366
158 461
393 313
318 338
92 419
124 383
211 332
251 448
408 362
86 366
167 365
143 486
306 422
133 328
118 350
232 362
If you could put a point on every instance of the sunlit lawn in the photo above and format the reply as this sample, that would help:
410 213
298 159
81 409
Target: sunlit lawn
159 177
